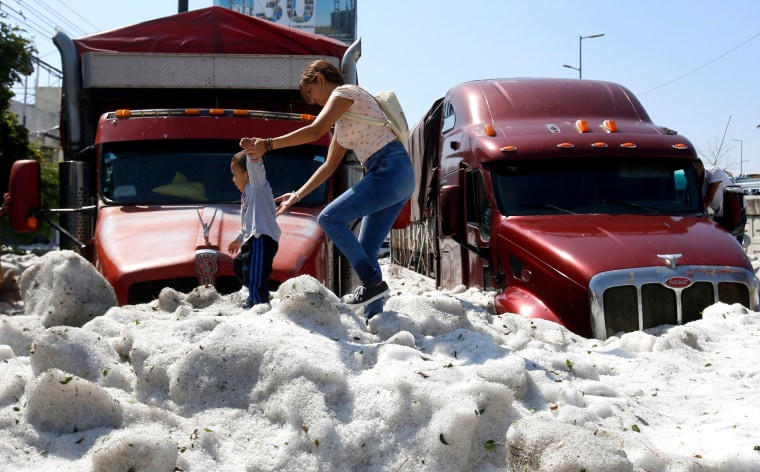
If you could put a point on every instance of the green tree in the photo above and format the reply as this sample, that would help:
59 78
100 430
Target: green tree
16 61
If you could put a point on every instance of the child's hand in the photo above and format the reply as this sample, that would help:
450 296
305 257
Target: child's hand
254 147
233 247
245 143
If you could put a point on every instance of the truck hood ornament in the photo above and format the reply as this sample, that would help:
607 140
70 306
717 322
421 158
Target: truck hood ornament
670 259
206 226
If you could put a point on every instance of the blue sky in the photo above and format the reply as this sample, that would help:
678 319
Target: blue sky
694 65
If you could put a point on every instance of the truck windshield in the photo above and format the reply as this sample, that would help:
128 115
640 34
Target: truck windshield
591 186
161 173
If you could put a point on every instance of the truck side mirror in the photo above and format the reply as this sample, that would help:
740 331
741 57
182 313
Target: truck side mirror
24 188
450 210
733 205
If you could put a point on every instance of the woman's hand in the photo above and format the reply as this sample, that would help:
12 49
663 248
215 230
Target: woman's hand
254 147
286 201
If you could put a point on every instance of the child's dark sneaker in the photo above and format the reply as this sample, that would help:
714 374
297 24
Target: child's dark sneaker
364 295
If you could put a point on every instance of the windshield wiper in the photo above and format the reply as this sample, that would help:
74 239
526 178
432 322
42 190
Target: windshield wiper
635 205
545 206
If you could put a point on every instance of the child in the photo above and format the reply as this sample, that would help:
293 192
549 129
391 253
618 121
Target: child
258 239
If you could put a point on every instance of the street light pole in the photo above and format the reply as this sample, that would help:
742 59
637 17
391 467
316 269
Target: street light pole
741 155
571 67
580 53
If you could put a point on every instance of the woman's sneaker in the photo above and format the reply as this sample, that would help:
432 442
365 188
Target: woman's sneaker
364 295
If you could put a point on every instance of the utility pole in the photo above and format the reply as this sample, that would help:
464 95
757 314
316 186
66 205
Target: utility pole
580 53
741 155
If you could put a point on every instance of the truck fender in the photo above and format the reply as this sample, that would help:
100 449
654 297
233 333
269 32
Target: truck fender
520 301
24 188
404 218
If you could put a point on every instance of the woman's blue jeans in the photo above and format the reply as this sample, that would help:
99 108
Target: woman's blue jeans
377 198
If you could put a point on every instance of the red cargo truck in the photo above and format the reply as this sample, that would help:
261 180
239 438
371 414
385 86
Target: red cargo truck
151 116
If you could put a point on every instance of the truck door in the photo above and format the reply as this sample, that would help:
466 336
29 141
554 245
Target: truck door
478 231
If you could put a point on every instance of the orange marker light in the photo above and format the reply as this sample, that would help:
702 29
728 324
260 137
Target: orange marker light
33 222
628 145
216 111
680 146
610 126
488 129
123 113
192 111
565 145
240 112
509 148
599 145
582 126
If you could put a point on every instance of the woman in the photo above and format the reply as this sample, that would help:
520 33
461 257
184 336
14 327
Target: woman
378 198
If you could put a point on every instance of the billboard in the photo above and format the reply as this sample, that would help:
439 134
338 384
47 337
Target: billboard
333 18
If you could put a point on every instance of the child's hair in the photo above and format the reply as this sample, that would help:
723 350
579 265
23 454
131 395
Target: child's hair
239 158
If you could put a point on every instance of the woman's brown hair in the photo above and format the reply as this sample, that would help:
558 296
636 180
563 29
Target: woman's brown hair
320 66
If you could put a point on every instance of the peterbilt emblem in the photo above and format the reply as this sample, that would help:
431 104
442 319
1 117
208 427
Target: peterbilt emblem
670 259
206 266
678 282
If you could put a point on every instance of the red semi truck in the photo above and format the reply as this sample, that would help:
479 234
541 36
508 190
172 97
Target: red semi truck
151 116
564 198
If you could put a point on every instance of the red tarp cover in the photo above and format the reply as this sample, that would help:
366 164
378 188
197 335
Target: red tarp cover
211 30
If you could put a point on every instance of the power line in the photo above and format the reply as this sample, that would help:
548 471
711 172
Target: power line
42 23
94 28
28 24
30 13
700 67
65 22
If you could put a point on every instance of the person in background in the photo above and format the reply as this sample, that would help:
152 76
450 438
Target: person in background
378 198
259 235
714 183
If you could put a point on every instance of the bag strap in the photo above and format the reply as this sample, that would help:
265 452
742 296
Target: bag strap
367 119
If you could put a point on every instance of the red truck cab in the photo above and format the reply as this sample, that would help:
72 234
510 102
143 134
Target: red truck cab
168 208
565 198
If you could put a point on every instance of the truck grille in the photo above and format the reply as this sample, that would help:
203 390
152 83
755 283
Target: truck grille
631 300
144 292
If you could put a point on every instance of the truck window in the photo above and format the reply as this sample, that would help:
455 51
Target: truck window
449 117
156 173
589 186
